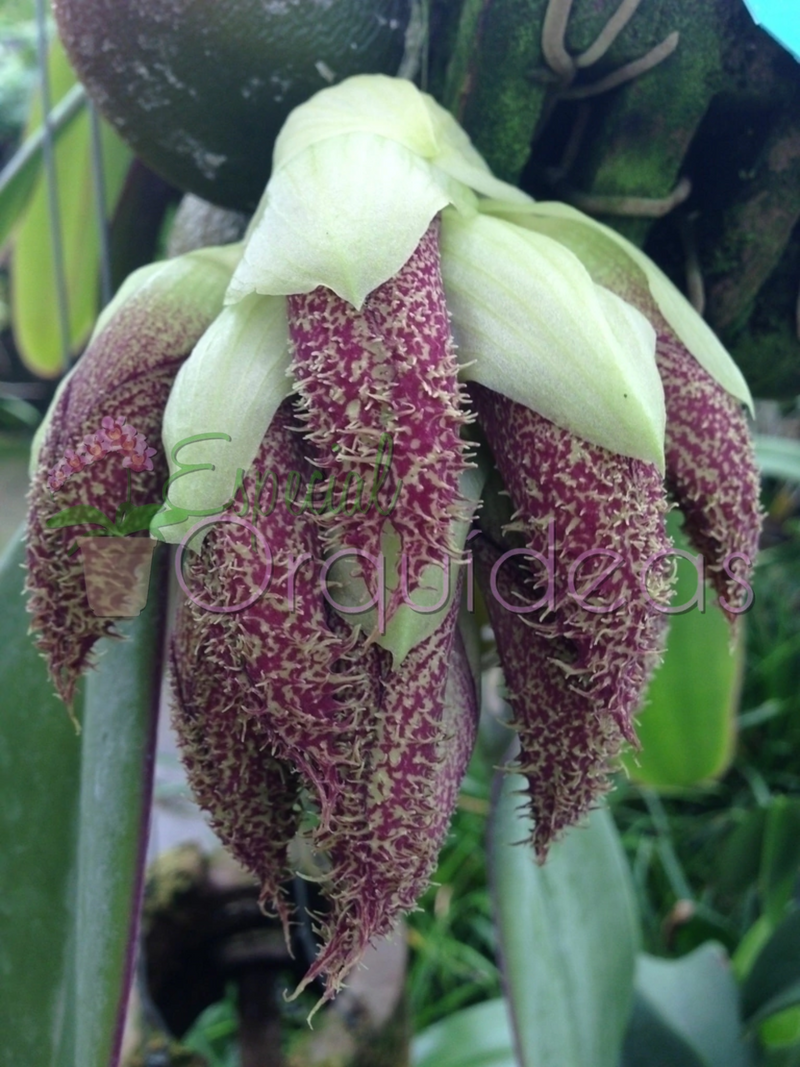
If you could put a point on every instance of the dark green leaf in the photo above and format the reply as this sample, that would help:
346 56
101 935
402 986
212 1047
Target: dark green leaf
696 998
116 787
650 1041
568 937
780 858
739 857
72 836
40 775
474 1037
687 728
773 982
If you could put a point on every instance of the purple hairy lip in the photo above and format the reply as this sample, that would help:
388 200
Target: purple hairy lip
127 370
711 471
568 746
379 747
576 673
388 830
292 670
585 496
388 368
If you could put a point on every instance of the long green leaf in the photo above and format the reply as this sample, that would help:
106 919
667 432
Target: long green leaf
568 936
39 790
780 857
73 829
694 1003
116 792
34 291
650 1041
778 457
18 178
773 982
474 1037
687 728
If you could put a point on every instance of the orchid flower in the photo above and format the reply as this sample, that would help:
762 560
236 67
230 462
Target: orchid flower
391 289
365 176
381 240
130 364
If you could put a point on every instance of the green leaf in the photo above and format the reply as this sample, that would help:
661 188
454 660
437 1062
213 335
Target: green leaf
780 856
73 836
40 774
79 515
781 1030
568 936
650 1041
773 982
738 862
778 457
696 1000
116 791
138 518
19 176
687 728
34 290
474 1037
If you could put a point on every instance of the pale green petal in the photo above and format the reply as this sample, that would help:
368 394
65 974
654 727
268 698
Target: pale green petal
457 156
614 261
408 626
366 103
530 323
199 273
196 279
346 213
395 109
232 384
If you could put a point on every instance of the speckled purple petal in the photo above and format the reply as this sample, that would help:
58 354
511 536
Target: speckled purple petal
128 371
588 511
389 369
293 670
251 797
711 472
568 743
387 834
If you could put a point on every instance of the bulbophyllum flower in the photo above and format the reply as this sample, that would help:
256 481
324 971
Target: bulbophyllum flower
385 272
381 238
129 367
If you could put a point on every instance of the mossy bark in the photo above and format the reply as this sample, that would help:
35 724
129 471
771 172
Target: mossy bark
720 110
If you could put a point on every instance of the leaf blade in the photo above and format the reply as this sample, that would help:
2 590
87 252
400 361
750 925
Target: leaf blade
569 955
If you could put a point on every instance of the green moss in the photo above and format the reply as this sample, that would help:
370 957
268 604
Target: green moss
643 130
492 82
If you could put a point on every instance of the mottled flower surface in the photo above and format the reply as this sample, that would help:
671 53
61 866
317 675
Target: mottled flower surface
387 372
385 269
125 374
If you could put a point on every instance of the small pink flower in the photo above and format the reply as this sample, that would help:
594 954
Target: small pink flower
57 477
132 442
115 433
73 461
94 447
139 460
